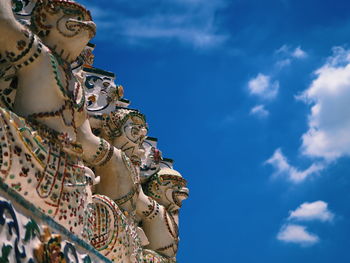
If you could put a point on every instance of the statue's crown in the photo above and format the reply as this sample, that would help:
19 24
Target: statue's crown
65 3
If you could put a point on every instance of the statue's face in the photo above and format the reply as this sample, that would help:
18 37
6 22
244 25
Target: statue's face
75 23
169 191
176 191
68 26
133 133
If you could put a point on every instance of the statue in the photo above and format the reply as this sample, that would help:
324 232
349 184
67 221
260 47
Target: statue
165 190
118 190
70 144
126 130
51 131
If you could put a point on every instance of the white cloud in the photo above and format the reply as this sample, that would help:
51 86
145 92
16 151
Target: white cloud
283 168
328 131
299 53
259 111
312 211
192 22
293 233
263 87
297 234
329 119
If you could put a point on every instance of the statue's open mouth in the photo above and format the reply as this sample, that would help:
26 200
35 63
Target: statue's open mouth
179 196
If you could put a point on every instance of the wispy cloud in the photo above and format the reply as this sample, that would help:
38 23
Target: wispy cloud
297 234
288 51
329 119
312 211
191 22
259 111
286 55
283 168
263 87
266 86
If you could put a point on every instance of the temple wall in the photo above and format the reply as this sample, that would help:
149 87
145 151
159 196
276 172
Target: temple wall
28 235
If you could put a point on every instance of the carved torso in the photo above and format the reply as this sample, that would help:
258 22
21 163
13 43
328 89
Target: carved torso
49 93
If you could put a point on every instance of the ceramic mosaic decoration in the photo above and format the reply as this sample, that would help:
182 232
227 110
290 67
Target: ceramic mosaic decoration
80 181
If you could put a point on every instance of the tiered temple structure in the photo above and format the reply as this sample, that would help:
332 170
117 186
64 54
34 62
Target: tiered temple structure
80 179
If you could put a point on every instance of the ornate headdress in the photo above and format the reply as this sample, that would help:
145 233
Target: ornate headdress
53 7
113 122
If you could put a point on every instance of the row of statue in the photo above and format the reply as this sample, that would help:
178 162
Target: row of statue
71 145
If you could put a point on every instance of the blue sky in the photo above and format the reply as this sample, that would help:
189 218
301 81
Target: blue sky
251 100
